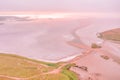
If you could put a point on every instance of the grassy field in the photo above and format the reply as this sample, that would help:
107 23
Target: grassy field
71 75
13 66
113 35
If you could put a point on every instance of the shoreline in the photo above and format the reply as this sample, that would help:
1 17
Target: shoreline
65 59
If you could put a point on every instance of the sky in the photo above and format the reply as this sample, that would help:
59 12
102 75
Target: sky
73 6
61 5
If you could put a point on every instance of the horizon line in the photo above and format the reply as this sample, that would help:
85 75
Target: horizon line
47 14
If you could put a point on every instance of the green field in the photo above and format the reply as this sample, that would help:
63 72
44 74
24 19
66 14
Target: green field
13 67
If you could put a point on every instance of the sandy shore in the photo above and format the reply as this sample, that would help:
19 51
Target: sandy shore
97 67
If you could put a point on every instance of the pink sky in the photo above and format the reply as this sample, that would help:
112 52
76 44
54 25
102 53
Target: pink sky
61 7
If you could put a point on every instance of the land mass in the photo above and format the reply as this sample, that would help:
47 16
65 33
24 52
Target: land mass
112 35
14 67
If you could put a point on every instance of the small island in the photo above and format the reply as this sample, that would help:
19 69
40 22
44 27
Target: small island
111 35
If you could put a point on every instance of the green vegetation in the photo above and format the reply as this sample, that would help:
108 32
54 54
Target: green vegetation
113 35
52 64
36 61
17 66
21 67
68 66
70 74
59 76
94 45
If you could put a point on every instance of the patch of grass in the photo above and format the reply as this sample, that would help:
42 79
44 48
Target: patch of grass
70 74
68 66
58 76
113 35
21 67
24 58
51 64
17 66
94 45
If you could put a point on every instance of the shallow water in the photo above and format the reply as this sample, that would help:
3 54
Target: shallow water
42 39
38 39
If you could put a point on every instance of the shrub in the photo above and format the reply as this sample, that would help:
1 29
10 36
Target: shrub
94 45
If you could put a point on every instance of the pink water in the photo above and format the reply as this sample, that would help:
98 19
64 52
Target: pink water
42 39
